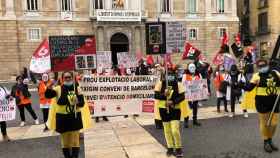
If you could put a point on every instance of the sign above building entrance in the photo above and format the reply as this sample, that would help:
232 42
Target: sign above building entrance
118 15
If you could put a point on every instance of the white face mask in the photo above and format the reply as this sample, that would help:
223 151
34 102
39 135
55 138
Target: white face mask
192 68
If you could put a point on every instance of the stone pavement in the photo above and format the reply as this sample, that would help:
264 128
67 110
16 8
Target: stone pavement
118 138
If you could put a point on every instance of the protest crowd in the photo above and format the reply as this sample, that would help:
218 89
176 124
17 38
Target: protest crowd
232 78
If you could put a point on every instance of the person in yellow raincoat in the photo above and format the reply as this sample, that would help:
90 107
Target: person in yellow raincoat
266 84
170 112
69 114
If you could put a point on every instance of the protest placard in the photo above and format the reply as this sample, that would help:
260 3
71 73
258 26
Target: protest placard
175 37
156 38
126 59
196 90
83 62
7 106
64 48
118 95
104 59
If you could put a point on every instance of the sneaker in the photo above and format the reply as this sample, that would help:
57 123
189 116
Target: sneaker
37 122
231 114
22 124
195 123
96 119
179 152
246 114
169 152
267 147
105 119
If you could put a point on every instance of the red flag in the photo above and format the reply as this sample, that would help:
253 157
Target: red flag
225 39
40 61
190 52
150 60
238 39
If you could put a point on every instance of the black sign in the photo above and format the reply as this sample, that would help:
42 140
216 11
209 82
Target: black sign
156 38
64 48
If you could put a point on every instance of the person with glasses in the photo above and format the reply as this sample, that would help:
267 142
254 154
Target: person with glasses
69 114
267 84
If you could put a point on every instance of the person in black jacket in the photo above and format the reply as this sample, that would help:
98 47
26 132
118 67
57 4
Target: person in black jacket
142 69
267 82
23 100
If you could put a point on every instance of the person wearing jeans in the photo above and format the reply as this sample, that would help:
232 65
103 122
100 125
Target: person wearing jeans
23 101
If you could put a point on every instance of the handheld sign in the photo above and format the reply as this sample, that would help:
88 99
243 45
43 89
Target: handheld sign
63 50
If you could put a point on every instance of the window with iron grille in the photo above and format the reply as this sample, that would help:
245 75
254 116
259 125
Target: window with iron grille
165 6
34 34
221 6
192 34
262 23
191 6
32 5
98 4
66 5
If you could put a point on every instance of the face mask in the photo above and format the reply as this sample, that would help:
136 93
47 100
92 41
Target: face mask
192 68
69 83
264 69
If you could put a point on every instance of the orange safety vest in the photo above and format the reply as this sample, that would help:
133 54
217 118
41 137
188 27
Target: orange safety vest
189 77
218 80
41 90
23 100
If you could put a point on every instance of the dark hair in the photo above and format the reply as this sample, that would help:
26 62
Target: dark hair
233 68
19 77
71 73
262 61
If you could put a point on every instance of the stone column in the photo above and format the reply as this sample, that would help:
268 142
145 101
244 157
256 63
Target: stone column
208 8
100 38
234 8
10 9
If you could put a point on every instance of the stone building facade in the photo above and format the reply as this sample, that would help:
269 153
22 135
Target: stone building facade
260 22
25 23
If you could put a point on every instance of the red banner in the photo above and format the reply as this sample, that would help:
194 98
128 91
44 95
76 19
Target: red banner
40 61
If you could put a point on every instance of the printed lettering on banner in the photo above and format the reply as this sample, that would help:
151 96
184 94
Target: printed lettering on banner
118 95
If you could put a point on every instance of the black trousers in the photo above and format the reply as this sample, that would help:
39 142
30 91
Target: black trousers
29 109
194 106
219 100
45 112
3 128
233 99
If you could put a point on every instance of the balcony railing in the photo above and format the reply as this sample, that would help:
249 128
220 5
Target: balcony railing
263 30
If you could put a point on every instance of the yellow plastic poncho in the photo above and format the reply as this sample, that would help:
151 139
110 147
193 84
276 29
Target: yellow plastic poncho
85 112
184 107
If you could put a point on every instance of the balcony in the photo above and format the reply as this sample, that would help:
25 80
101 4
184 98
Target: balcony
118 15
264 30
